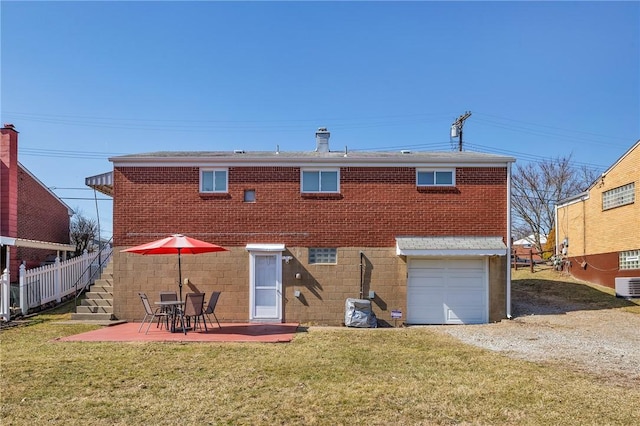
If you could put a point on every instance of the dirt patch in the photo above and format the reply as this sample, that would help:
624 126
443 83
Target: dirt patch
585 335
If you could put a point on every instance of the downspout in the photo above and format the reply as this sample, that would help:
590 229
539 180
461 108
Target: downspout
509 240
555 218
361 274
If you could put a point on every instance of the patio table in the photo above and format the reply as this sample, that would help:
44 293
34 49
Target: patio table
174 307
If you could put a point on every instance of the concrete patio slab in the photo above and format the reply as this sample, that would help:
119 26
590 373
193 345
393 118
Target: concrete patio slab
229 332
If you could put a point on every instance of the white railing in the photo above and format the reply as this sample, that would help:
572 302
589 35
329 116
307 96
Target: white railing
50 283
5 295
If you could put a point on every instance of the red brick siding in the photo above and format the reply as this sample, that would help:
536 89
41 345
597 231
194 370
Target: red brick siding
375 205
41 217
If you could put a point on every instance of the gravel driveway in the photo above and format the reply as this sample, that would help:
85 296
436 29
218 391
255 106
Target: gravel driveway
605 342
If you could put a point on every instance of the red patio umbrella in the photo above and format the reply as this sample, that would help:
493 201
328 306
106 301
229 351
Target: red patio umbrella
176 244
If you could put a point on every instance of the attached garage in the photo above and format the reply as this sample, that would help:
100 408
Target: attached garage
448 278
447 291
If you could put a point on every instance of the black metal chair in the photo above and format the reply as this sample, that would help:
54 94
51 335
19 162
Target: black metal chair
211 307
150 313
194 309
166 296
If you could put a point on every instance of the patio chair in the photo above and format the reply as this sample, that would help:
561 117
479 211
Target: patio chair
150 313
166 296
211 307
194 309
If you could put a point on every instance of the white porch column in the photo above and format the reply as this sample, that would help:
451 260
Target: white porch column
24 291
57 280
5 283
5 312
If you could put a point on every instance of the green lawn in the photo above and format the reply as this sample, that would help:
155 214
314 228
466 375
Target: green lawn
325 376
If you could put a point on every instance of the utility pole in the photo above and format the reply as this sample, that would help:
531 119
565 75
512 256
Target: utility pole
456 128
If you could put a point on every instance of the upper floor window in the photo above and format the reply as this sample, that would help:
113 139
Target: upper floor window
435 177
213 180
327 180
619 196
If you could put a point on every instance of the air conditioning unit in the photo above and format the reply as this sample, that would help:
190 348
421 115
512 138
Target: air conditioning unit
628 287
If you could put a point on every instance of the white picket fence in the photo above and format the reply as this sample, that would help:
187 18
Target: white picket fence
52 283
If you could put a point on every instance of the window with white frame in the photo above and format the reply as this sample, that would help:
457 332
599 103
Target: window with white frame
322 255
326 180
629 259
213 180
435 177
619 196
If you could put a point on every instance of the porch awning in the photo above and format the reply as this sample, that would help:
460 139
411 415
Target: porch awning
265 247
450 246
45 245
102 183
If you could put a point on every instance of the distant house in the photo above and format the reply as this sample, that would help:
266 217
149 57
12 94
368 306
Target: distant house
424 236
34 222
525 248
598 231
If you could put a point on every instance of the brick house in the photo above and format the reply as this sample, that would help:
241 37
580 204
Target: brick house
598 229
423 235
34 222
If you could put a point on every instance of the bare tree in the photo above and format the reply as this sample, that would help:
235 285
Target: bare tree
536 187
83 232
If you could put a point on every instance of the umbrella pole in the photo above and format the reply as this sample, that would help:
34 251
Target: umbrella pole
180 274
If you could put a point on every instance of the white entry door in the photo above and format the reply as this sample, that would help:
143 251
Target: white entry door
266 286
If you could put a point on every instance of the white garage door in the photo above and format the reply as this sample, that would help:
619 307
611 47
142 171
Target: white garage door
447 291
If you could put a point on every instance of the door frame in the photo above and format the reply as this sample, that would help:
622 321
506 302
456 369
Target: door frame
257 250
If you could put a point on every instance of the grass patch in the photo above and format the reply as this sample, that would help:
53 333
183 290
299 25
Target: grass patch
325 376
550 286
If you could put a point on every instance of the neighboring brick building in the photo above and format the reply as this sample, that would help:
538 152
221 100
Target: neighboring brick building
34 222
600 226
422 234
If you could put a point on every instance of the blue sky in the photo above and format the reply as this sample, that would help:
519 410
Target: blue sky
84 81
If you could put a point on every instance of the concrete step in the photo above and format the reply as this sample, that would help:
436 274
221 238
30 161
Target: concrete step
94 309
101 289
97 295
108 282
96 302
92 317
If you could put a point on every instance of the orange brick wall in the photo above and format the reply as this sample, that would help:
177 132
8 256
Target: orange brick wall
596 236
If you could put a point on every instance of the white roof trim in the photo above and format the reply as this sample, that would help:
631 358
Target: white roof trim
45 245
7 241
296 162
449 253
265 247
450 246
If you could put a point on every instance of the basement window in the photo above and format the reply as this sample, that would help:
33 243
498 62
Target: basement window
214 180
435 177
326 256
629 259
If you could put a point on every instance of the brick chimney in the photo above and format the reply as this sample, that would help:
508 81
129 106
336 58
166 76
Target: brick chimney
322 140
9 181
